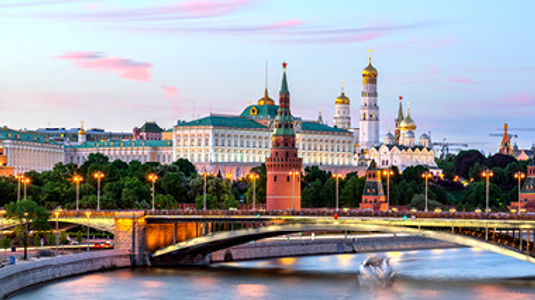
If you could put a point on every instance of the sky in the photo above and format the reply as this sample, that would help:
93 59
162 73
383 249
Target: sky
466 67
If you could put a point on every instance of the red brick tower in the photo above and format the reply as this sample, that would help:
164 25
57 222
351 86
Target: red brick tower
373 197
283 167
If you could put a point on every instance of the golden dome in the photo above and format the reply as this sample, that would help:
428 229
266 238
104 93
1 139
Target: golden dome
369 71
408 123
266 100
81 131
342 99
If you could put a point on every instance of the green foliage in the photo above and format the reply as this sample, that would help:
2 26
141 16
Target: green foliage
63 238
51 239
185 166
231 202
351 193
30 216
211 202
465 160
79 237
5 242
418 201
165 202
36 240
311 195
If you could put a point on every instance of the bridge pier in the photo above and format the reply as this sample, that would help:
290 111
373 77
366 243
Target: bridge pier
130 235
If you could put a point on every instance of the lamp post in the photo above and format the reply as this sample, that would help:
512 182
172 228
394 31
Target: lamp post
98 176
19 178
56 212
25 180
519 175
2 212
204 174
88 214
77 179
153 178
293 174
388 173
426 175
487 174
337 192
254 177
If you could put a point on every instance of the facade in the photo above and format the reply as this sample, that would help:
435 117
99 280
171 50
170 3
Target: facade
22 152
283 166
150 131
373 196
70 136
127 151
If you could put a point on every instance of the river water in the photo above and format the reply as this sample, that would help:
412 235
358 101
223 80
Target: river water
463 273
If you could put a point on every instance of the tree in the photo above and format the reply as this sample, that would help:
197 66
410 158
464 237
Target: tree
36 240
174 184
418 201
63 238
79 237
185 166
5 243
29 215
231 202
211 202
310 195
499 160
351 193
466 160
51 239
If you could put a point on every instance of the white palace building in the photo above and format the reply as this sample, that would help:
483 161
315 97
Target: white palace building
233 144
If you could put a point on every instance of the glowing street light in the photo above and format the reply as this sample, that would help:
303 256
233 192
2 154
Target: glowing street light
77 179
337 193
56 213
25 180
204 174
19 178
153 178
487 174
88 214
98 176
388 173
254 177
426 175
293 174
519 175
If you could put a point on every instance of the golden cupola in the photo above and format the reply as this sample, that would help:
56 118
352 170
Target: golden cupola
342 99
266 100
370 71
408 123
82 130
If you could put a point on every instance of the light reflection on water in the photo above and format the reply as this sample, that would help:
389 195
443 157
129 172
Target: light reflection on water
462 273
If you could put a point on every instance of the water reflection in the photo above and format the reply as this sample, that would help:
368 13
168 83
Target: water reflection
461 273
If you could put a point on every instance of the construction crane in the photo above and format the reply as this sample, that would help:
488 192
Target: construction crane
445 147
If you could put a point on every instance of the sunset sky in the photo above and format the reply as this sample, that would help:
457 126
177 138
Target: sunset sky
464 66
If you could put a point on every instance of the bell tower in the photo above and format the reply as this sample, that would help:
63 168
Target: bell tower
369 110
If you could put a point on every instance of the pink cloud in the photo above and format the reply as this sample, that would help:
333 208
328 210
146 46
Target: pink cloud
170 91
126 68
38 3
518 100
463 80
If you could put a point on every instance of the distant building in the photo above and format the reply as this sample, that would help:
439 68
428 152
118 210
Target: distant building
150 131
22 152
70 136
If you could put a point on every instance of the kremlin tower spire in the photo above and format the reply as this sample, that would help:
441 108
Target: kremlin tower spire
283 190
505 145
398 120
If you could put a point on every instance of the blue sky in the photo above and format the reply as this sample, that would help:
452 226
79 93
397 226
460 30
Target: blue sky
465 66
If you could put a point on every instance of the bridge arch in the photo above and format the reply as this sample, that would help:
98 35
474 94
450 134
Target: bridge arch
222 240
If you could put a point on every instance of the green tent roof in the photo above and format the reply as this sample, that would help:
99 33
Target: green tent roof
9 134
223 121
260 111
151 127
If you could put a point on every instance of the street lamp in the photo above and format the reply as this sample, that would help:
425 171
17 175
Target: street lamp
426 175
19 178
254 177
77 179
520 176
388 173
204 174
153 178
25 180
88 214
293 174
56 212
487 174
337 192
98 176
2 212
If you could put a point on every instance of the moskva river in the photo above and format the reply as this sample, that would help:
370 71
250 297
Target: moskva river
463 273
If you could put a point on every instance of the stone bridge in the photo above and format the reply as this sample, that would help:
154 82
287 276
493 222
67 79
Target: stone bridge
175 237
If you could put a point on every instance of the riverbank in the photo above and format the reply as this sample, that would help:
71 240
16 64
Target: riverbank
17 277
